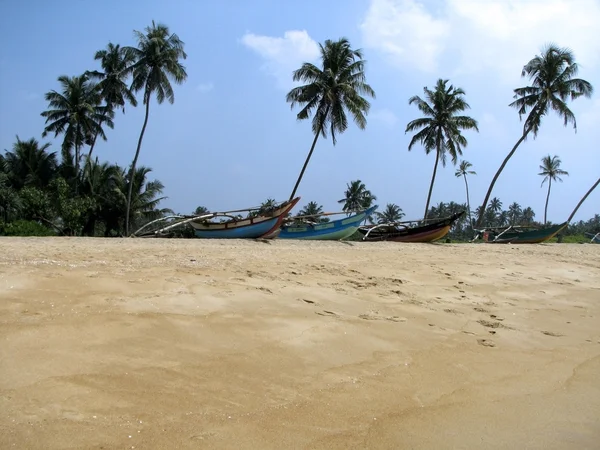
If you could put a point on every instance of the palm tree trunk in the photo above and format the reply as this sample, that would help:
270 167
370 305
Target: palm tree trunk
77 149
468 202
547 198
489 192
437 158
583 199
308 157
134 162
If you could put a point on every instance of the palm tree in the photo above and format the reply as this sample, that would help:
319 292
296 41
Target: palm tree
553 83
392 213
201 211
314 210
440 129
331 90
496 205
463 171
116 64
30 164
514 213
157 60
357 197
77 113
551 171
583 200
527 216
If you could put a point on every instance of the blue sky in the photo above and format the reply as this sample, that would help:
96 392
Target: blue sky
230 140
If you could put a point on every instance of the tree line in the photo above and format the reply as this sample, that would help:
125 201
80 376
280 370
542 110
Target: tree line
76 194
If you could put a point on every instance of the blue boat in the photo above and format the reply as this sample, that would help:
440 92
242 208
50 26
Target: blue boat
297 228
263 225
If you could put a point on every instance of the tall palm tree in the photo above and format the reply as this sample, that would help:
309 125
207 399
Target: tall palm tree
157 61
116 63
553 83
551 171
392 213
75 112
440 129
331 90
595 185
463 171
29 164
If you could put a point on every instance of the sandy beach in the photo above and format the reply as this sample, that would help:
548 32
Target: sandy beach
133 343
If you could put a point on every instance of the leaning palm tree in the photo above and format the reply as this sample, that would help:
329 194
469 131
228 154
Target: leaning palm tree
157 60
331 90
75 112
551 171
440 129
553 83
115 63
463 171
595 185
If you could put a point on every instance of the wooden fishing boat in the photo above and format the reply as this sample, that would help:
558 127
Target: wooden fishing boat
212 226
301 227
401 232
594 238
520 234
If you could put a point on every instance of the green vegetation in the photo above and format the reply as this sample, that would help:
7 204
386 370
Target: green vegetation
42 193
70 192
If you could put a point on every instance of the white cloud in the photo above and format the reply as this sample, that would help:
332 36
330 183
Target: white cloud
385 116
205 87
468 36
283 55
405 32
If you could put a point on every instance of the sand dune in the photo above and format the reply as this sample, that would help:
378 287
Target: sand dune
132 343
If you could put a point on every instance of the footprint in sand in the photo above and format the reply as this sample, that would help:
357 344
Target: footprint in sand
485 343
374 316
310 302
327 313
551 333
487 323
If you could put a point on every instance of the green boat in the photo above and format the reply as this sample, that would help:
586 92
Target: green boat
520 234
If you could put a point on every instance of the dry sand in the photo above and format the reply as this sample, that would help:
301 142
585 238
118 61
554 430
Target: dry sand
132 343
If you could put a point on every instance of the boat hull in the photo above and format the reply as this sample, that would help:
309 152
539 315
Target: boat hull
525 237
262 226
595 238
425 233
328 231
